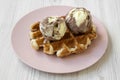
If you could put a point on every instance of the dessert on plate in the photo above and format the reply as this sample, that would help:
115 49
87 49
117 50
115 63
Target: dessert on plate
64 35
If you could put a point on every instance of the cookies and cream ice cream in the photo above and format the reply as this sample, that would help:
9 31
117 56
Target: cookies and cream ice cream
53 28
79 20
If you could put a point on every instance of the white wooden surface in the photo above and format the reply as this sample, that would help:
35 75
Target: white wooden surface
108 68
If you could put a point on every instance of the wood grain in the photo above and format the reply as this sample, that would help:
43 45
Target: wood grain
11 68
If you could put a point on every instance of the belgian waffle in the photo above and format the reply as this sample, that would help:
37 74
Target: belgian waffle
69 44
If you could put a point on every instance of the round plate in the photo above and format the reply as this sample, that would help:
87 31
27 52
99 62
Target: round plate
49 63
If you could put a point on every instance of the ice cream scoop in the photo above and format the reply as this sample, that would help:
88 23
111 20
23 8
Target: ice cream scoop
53 28
79 20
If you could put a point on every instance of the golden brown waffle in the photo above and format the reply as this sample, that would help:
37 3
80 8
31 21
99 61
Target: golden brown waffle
69 44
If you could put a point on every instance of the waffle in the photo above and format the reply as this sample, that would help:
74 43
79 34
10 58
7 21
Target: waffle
69 44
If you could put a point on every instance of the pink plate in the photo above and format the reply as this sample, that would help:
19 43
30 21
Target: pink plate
52 64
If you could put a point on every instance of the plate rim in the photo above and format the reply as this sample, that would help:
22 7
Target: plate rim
32 66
